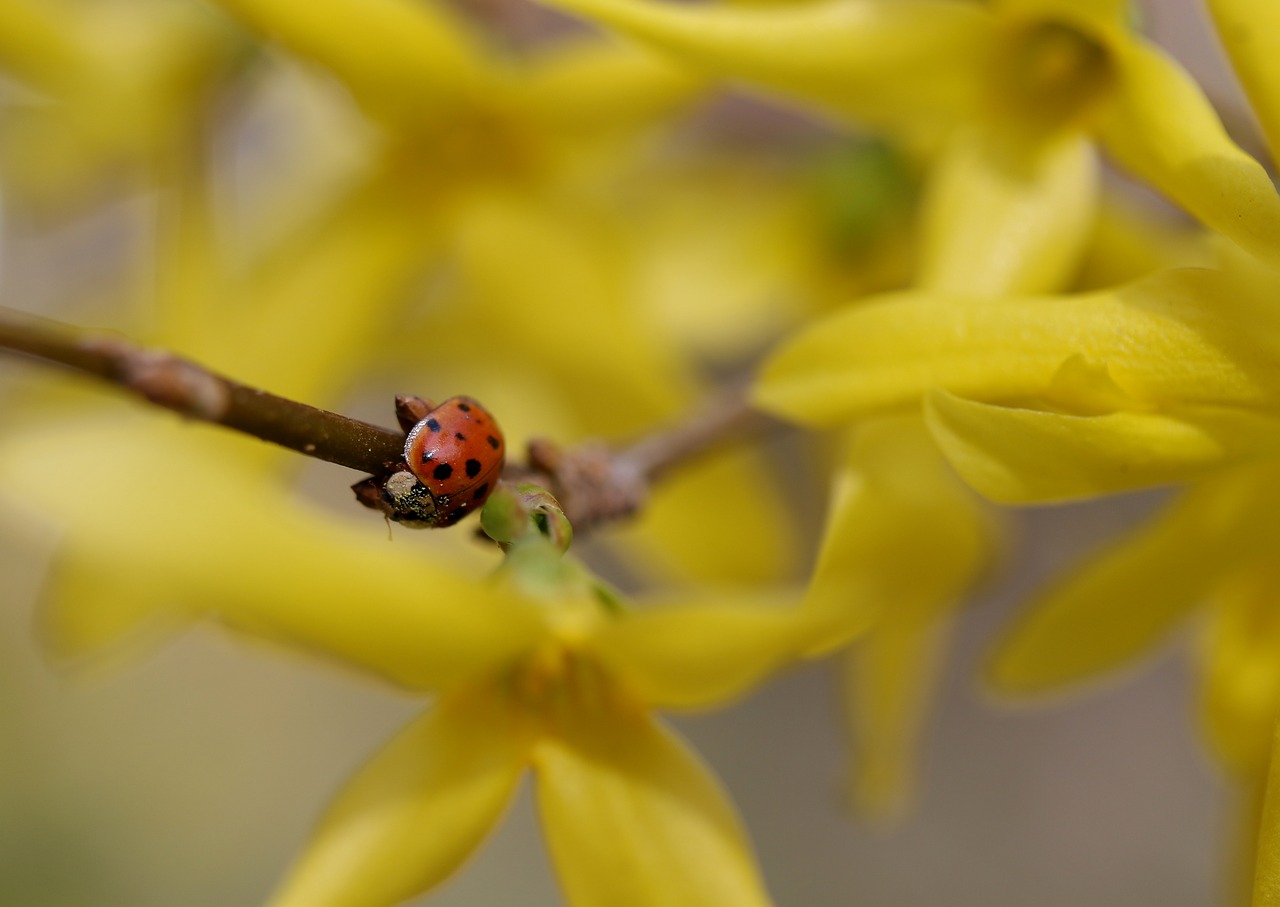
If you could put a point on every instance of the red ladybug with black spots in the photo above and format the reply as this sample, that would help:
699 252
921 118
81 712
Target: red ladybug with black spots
456 450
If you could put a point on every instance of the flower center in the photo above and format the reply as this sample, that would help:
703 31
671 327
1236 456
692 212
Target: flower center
1050 73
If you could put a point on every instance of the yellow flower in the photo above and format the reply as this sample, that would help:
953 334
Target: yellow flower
120 89
1018 91
1051 398
159 523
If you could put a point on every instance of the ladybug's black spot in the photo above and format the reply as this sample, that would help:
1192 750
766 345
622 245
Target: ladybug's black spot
480 492
426 456
464 407
443 471
433 425
460 436
493 442
473 468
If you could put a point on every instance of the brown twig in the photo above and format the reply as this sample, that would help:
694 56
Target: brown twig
594 483
185 387
597 484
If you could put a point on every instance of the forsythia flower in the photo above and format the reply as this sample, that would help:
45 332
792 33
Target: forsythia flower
538 671
1018 89
121 89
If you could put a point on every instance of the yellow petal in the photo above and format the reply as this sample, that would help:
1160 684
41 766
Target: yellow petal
172 503
896 506
903 544
1240 674
881 62
38 47
1250 32
400 59
325 296
590 86
688 534
417 810
1106 16
633 819
1018 456
1175 338
697 653
1118 607
1266 885
1159 125
1007 213
1131 240
888 680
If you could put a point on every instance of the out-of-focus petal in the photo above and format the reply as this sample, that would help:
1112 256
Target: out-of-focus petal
886 63
888 679
1019 455
400 59
1118 607
1240 674
417 810
904 542
590 86
633 819
704 524
1159 125
902 533
1107 17
1266 883
1175 338
1129 242
326 295
1250 32
38 47
170 502
701 652
1005 212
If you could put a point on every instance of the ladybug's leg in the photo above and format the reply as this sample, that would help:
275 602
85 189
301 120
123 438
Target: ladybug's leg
411 410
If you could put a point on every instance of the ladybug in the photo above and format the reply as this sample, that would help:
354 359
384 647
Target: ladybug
456 452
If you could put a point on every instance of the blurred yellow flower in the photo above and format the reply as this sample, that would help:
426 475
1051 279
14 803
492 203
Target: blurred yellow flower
119 91
1019 90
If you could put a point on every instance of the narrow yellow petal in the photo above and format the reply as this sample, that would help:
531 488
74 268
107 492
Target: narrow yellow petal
888 679
1172 339
1115 609
698 653
590 86
326 295
414 813
1250 32
885 63
897 505
903 544
1007 213
1018 455
40 45
174 503
1266 884
1130 241
1239 671
1106 16
399 58
633 819
1159 125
